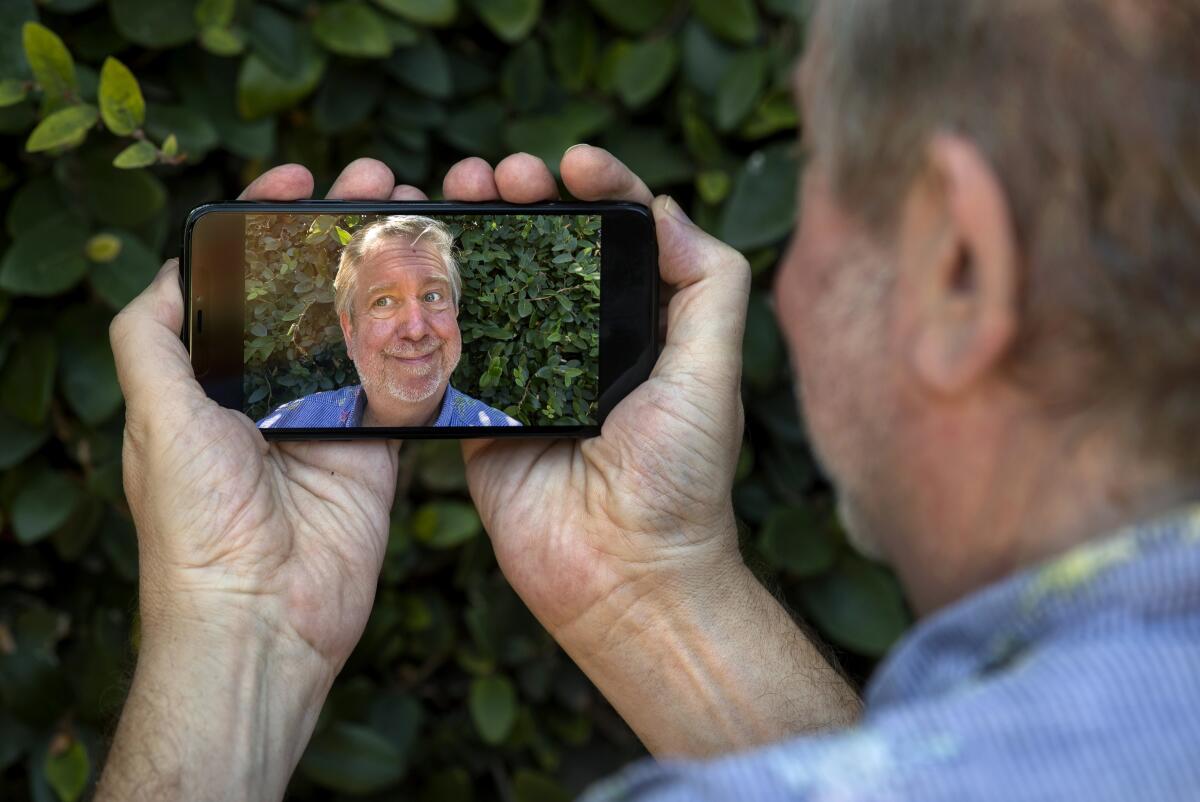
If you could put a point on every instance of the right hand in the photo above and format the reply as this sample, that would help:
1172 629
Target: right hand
590 531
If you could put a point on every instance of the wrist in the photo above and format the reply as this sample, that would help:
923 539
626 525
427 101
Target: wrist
671 597
227 691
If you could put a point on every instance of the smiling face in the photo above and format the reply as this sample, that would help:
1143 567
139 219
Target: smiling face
402 332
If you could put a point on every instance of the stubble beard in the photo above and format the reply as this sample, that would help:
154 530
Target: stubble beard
384 375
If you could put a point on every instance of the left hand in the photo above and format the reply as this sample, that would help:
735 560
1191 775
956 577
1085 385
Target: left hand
283 541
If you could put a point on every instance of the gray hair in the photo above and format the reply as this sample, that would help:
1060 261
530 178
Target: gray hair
410 227
1089 112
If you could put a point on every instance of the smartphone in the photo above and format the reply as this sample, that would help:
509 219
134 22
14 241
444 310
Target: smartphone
325 319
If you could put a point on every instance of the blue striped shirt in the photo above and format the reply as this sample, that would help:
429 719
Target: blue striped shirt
345 407
1076 679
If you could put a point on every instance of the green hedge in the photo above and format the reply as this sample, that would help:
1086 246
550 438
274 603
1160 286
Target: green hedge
455 692
529 312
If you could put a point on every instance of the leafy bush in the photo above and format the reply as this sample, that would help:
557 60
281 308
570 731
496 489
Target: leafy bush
529 319
455 692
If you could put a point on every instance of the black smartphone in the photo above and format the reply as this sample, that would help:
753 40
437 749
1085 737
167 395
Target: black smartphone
325 319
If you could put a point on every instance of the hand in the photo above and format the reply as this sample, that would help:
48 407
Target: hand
624 545
585 530
285 539
258 561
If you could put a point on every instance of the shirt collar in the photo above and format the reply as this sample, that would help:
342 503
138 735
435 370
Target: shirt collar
443 419
1150 568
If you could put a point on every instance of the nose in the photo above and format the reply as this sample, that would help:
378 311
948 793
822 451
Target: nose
411 323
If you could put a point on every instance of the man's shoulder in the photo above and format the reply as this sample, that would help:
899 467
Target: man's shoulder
323 408
460 409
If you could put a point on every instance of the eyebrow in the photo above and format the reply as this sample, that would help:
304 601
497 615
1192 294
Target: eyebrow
429 278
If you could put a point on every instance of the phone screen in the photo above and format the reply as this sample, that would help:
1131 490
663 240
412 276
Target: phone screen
360 320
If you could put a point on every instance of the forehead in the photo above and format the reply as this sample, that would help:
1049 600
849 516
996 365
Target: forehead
396 260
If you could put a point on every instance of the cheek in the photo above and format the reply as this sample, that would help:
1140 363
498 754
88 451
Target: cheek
445 326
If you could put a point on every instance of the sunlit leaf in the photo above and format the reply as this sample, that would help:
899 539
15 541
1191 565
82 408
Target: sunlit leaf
121 102
139 154
64 128
52 65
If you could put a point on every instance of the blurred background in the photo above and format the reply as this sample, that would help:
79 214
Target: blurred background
118 116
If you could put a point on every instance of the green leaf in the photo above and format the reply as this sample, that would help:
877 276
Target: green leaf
573 48
280 41
52 65
103 248
217 13
46 260
121 103
117 282
445 524
532 786
352 28
170 146
634 16
524 76
68 773
195 134
18 440
511 20
262 92
223 41
735 20
12 91
27 381
119 197
643 69
13 15
352 759
43 505
87 373
762 348
858 605
348 95
139 154
154 23
423 12
705 58
713 185
64 128
422 68
739 88
493 705
37 199
795 540
762 209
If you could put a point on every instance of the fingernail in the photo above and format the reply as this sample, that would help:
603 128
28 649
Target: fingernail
579 145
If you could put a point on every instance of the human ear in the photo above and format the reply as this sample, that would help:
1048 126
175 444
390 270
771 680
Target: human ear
964 280
347 324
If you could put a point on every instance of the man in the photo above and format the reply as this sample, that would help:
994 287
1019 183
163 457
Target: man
396 294
990 303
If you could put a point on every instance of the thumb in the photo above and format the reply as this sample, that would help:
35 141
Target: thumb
710 281
153 365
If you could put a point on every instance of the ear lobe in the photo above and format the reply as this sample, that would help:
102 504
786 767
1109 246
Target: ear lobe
968 318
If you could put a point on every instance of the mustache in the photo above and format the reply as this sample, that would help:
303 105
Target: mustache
418 350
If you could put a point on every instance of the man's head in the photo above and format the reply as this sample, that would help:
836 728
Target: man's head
998 249
396 294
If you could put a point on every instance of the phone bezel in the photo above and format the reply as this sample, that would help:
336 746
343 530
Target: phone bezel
629 282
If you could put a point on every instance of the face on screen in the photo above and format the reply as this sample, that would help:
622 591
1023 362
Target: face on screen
404 320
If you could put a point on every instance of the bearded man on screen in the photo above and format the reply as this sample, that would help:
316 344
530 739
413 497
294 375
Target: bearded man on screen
397 295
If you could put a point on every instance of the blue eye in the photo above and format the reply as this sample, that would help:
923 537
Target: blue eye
433 297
